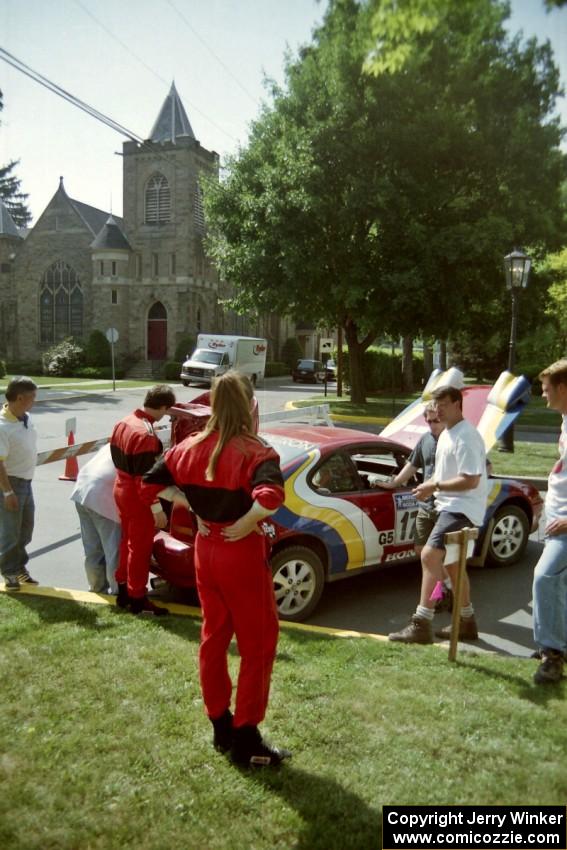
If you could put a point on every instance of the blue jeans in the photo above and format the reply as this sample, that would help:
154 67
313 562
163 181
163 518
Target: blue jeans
101 542
550 595
16 529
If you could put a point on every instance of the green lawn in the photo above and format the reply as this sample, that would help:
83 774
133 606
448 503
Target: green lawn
534 459
105 745
387 406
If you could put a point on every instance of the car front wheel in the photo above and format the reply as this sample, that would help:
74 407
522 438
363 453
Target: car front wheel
509 536
299 579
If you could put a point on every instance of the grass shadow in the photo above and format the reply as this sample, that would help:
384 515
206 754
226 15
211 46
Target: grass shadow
536 694
333 817
52 612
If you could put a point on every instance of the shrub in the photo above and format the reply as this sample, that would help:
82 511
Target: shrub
275 368
291 352
383 370
23 367
94 372
63 359
172 370
2 368
97 351
184 348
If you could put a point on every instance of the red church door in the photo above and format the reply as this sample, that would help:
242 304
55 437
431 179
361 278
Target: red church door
157 332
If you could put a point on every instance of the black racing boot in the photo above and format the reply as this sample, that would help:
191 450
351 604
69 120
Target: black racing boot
222 737
143 605
122 598
250 750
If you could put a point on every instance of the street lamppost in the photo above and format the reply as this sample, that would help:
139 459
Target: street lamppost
517 267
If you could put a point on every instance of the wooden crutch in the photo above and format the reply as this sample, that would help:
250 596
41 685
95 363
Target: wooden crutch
461 538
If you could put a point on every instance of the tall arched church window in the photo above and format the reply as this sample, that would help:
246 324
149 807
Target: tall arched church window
157 200
60 304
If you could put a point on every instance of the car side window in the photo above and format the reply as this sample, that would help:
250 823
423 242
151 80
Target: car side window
337 474
374 467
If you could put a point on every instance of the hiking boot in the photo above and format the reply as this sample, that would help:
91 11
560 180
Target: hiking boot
25 578
418 631
468 630
250 750
550 670
222 736
11 583
146 606
122 598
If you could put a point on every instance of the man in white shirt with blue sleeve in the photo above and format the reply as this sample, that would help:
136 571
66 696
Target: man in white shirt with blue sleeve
550 574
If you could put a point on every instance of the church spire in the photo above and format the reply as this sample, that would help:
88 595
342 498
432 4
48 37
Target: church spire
172 120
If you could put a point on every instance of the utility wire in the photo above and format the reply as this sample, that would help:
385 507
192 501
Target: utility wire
149 68
212 52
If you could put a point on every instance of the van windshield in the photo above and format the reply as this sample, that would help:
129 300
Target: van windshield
202 355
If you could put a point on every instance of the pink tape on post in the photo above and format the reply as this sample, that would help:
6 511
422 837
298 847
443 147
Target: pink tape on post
437 592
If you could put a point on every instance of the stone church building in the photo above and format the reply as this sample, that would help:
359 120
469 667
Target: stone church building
146 274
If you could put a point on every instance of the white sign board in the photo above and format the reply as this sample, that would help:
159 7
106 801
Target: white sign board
70 425
112 335
326 346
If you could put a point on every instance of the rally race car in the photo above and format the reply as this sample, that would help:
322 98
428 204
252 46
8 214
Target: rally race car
335 521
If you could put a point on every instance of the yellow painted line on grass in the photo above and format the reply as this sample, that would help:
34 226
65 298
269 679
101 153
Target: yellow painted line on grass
174 607
340 417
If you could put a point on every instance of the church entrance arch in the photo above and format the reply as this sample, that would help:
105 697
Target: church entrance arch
157 332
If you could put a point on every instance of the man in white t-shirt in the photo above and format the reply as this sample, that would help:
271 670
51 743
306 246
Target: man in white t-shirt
550 575
18 457
459 485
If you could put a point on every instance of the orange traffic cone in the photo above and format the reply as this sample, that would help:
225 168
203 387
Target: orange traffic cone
71 464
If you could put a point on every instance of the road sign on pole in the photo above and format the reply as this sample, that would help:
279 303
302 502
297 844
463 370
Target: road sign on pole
325 346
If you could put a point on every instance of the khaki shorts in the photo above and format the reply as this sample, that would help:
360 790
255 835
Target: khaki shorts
424 524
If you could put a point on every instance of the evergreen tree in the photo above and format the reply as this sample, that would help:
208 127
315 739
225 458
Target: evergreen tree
10 193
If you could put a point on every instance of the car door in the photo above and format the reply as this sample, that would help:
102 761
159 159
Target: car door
389 515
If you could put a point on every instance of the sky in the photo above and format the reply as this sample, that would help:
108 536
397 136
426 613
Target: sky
121 57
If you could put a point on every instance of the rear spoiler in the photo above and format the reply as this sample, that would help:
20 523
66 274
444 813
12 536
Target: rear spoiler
491 409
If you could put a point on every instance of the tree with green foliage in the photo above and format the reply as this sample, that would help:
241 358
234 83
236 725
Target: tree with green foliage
10 192
291 352
384 201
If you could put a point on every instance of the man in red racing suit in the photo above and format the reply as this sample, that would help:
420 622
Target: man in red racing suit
233 574
134 447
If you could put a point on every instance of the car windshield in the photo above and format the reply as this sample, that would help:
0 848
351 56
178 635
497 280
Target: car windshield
204 356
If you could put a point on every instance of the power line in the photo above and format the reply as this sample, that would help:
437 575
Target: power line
212 52
149 68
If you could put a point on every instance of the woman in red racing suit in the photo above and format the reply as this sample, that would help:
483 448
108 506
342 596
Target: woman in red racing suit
232 479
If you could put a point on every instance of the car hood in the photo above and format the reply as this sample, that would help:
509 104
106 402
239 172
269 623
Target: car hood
492 409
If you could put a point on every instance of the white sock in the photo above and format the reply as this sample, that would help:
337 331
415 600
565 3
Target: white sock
467 611
424 613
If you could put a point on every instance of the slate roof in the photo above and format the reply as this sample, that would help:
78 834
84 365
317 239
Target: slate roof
172 120
8 226
111 237
94 218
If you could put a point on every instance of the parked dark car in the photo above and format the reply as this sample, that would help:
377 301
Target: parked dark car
311 371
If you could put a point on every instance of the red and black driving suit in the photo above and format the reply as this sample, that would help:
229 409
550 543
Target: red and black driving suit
234 579
134 447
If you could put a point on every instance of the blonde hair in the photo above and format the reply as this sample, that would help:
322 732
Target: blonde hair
557 373
231 396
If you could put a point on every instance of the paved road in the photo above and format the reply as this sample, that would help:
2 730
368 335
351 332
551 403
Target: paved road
377 602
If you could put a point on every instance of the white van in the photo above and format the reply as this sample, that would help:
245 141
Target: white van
217 353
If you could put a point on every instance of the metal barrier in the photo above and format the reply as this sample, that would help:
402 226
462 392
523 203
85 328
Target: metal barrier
318 412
